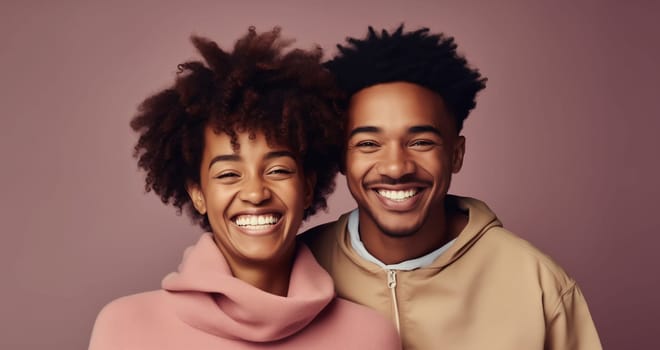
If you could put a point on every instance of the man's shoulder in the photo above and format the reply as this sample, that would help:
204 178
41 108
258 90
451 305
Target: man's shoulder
323 239
502 243
363 325
507 245
323 232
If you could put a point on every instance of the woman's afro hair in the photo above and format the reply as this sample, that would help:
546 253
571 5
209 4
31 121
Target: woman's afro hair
258 87
418 57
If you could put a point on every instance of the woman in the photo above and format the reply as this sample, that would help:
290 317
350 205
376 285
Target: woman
246 143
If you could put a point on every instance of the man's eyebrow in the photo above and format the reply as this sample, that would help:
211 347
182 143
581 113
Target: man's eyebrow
363 129
418 129
225 158
277 154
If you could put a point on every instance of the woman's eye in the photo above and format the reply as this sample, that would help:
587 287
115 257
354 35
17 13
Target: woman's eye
227 175
280 171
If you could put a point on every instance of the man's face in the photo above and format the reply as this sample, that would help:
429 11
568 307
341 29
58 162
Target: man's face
402 149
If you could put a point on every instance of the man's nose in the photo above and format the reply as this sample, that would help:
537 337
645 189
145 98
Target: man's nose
396 163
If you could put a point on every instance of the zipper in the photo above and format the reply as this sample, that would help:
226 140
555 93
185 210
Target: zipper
391 284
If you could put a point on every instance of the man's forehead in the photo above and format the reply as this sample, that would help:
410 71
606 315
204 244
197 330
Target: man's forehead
401 99
388 121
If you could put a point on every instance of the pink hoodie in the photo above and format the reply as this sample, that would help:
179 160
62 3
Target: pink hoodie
204 307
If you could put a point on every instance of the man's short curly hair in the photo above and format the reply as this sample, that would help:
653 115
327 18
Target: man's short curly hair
418 57
260 86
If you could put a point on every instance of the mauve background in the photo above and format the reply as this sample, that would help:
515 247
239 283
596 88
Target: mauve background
562 144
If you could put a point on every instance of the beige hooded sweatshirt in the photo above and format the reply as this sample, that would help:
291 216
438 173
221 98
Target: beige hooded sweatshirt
491 290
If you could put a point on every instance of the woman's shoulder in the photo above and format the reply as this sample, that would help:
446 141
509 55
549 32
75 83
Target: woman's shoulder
132 305
122 317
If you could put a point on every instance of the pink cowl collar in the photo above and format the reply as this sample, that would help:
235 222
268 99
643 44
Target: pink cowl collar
206 296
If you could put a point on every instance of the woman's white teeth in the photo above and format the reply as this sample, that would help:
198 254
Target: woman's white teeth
397 195
256 220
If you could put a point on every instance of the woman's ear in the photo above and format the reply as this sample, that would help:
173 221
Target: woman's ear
197 197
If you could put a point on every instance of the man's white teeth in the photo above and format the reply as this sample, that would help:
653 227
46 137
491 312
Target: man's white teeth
397 195
256 220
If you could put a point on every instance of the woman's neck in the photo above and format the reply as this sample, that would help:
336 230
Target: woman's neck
271 276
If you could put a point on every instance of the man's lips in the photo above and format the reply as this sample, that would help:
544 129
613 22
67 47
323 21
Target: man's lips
397 184
398 195
403 200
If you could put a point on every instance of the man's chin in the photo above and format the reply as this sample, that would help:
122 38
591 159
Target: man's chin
396 231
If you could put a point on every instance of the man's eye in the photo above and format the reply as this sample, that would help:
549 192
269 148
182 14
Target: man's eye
423 144
366 144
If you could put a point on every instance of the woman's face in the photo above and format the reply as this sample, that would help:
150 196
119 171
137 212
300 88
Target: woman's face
254 197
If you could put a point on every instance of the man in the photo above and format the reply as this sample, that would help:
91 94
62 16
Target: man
442 267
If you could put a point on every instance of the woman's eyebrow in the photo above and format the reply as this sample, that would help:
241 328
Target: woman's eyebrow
225 158
278 154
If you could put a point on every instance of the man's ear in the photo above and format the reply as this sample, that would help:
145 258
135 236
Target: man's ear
342 161
310 184
457 154
197 197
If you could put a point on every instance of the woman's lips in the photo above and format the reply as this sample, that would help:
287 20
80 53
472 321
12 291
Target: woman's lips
257 224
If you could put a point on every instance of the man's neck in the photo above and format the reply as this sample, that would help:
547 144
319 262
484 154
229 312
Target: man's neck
438 230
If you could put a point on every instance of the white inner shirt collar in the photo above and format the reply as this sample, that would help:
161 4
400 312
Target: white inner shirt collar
412 264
